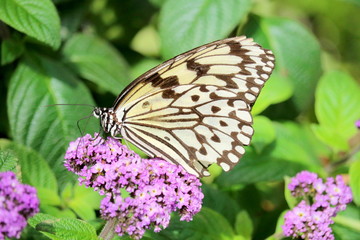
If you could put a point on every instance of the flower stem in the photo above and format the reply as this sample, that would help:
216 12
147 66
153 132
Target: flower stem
108 232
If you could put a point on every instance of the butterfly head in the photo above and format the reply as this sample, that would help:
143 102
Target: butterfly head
108 120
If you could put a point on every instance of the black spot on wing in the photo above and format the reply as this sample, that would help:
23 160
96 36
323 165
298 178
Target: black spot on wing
195 98
154 79
215 109
200 69
169 82
202 150
157 81
168 93
203 88
229 82
222 123
215 138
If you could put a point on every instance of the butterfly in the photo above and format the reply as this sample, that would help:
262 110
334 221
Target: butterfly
194 109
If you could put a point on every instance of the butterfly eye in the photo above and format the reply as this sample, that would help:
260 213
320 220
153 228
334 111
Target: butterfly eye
97 112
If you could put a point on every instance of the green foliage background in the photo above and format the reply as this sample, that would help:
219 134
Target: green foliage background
86 52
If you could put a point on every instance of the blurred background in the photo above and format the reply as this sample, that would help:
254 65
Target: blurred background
87 52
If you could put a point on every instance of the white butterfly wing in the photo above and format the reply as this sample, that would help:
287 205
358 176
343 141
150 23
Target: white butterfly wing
238 64
194 126
194 109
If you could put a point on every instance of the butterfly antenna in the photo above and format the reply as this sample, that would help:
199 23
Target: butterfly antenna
69 104
97 136
81 132
87 121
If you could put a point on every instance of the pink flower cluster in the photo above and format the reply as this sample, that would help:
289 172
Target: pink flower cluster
140 193
312 217
18 202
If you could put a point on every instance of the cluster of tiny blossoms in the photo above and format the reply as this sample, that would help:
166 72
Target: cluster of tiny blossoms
140 193
18 202
312 217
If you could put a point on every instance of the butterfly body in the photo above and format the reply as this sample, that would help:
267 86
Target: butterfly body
194 109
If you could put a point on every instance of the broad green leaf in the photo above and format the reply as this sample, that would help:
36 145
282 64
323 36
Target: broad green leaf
8 160
36 83
38 19
34 169
64 228
220 201
67 192
347 224
11 49
264 133
84 202
244 225
188 24
255 168
297 143
297 54
337 109
48 196
55 211
207 224
354 174
96 60
82 209
277 89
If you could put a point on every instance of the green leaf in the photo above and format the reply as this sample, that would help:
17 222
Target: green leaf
277 89
11 49
347 224
36 83
8 160
264 133
38 19
48 196
58 212
84 202
297 143
207 224
297 54
255 168
96 60
188 24
244 225
337 109
34 169
220 201
65 228
354 174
